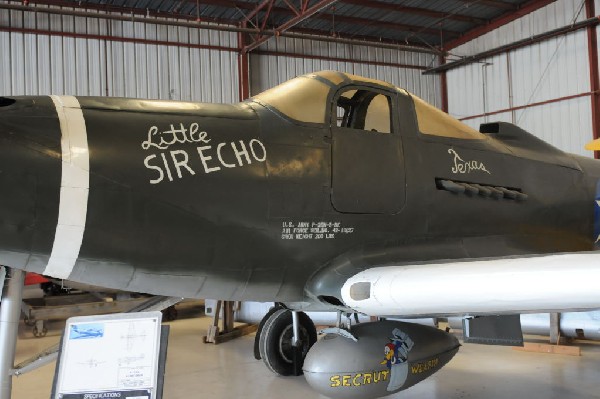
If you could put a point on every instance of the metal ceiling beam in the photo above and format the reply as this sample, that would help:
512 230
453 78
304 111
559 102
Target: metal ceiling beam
242 6
250 6
388 25
515 45
361 40
337 59
527 106
122 14
304 13
313 35
326 16
266 16
492 3
416 11
452 36
369 41
504 19
258 8
227 4
121 10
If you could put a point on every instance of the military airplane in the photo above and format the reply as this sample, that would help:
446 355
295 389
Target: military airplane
89 332
327 192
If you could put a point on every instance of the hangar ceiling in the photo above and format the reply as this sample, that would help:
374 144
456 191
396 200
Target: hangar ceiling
431 24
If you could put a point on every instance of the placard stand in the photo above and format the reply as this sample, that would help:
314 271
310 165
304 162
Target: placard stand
112 356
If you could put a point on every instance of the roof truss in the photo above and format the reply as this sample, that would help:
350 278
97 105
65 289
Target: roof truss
274 17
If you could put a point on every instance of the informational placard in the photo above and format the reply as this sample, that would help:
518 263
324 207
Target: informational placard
109 356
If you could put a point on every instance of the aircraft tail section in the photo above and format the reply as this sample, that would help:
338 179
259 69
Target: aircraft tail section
525 145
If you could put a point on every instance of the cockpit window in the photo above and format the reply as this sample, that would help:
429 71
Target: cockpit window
306 99
303 99
435 122
378 118
364 110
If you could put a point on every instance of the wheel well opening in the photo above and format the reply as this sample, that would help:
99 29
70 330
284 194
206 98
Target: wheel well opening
331 300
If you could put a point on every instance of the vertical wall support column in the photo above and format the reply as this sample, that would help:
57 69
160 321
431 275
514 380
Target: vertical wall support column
555 328
444 85
2 276
243 66
594 75
10 312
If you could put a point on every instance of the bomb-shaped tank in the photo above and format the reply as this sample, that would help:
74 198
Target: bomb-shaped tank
388 357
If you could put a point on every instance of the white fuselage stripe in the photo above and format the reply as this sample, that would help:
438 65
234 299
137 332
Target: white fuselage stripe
74 188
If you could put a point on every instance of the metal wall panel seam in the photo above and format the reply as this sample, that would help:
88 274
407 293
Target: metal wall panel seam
17 63
5 75
44 64
94 66
30 52
184 74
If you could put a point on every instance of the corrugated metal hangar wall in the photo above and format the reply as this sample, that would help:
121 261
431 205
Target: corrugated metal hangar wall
101 57
544 87
56 54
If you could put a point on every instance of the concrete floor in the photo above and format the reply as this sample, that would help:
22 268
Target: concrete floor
229 370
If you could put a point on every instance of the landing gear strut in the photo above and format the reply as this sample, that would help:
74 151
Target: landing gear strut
10 312
284 340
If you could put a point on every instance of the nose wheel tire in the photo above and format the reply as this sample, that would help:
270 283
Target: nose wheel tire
276 341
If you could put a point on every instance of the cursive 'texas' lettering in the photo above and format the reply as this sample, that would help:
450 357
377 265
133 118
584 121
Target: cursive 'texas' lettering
461 166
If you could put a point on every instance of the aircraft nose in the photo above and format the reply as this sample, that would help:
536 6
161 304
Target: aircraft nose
30 176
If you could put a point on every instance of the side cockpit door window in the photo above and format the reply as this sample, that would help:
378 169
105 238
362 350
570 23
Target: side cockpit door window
367 157
365 110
